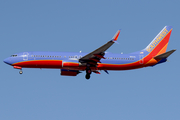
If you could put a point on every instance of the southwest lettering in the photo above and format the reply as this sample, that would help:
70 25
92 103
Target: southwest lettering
157 40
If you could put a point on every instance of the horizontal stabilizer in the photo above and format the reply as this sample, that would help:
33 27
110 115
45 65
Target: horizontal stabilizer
164 55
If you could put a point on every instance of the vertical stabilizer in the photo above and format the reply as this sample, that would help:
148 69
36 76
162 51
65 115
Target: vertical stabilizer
160 42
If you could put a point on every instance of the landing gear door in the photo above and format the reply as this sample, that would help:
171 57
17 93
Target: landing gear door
25 55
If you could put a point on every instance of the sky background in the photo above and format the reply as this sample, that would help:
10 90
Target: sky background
80 25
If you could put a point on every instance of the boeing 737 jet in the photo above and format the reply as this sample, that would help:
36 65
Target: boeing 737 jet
71 64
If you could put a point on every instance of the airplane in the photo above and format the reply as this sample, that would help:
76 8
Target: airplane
71 64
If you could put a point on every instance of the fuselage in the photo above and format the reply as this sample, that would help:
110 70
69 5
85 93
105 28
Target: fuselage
68 60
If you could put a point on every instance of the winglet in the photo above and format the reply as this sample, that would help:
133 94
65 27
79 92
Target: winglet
116 36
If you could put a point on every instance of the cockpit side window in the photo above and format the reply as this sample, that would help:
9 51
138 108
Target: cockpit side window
13 55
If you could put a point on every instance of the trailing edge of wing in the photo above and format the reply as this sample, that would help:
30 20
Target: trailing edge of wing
164 55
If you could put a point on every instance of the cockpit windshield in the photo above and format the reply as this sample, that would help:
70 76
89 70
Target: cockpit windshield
13 55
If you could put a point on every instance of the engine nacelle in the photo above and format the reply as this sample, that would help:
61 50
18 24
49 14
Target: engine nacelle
69 72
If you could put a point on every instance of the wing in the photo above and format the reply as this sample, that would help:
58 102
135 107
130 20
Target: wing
94 57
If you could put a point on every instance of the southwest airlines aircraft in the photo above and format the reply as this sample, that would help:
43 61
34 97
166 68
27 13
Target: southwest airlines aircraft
71 64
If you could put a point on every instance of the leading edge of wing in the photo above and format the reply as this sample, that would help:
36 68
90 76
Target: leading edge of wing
101 50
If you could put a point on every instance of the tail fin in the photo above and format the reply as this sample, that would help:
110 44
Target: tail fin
159 43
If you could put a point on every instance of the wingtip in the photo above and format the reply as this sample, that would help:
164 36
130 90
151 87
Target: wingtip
116 35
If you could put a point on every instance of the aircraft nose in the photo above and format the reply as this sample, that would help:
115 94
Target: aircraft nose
7 61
